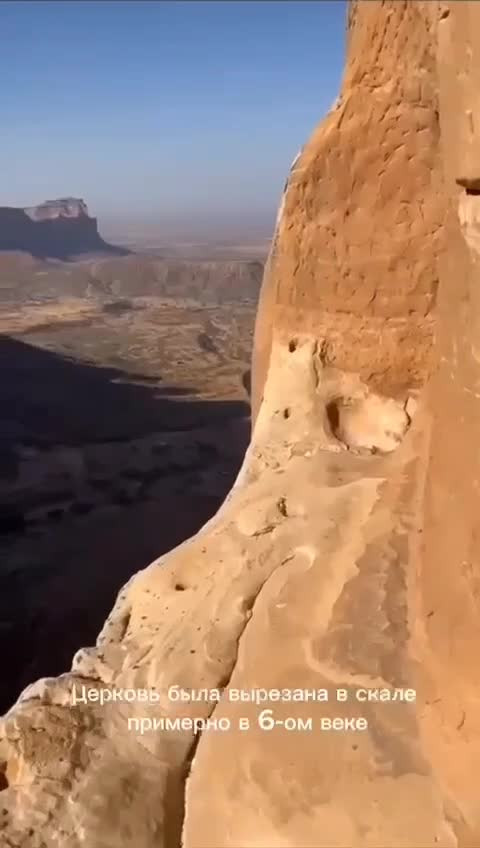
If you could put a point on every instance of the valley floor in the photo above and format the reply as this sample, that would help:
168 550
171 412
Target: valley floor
123 426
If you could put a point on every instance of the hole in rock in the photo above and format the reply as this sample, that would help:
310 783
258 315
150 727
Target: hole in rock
292 345
124 623
471 185
179 587
247 381
333 416
286 413
3 777
247 604
372 423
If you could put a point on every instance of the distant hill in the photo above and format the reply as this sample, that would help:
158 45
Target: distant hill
24 278
56 229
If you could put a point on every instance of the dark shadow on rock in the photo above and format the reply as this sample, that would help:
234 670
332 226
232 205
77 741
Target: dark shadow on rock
247 382
57 587
121 307
206 343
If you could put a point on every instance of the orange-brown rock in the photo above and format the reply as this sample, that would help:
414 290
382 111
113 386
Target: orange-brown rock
346 559
361 227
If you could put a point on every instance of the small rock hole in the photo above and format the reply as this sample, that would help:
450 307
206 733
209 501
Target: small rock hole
3 777
470 184
179 587
333 416
286 413
292 345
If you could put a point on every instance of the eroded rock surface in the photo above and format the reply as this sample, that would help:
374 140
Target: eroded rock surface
64 207
347 554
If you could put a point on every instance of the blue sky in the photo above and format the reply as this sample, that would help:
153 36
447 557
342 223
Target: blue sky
176 115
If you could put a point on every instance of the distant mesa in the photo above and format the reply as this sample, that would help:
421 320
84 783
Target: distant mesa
56 229
64 207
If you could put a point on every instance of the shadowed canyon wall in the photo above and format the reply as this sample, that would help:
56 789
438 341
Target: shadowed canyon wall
57 229
346 557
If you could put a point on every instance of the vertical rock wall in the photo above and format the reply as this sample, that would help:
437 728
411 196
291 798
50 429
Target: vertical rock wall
358 241
449 555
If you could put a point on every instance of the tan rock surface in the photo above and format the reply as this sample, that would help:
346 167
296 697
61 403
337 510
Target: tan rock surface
347 554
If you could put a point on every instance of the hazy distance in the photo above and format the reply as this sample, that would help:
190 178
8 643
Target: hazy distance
176 121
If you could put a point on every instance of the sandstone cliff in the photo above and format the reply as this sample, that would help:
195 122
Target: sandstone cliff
347 554
56 229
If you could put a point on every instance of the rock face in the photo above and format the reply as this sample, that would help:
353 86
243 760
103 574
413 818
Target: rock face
64 207
55 229
347 555
367 290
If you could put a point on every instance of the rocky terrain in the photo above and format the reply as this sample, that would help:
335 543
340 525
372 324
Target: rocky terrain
58 229
124 390
303 671
24 279
113 413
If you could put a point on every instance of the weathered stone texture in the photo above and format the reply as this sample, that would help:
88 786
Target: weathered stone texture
361 230
449 556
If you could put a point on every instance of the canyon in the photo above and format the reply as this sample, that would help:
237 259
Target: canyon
113 408
344 562
27 279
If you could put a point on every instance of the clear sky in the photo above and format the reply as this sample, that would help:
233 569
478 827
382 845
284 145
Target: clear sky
179 116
